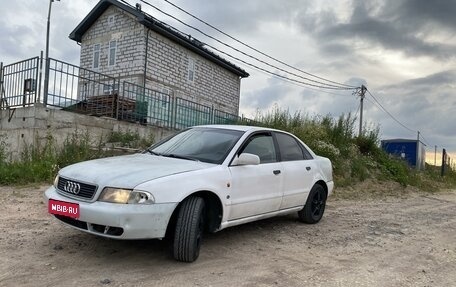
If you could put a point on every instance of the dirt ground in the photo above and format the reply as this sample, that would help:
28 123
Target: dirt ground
387 241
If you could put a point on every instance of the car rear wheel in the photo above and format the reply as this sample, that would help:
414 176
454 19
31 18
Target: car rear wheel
315 205
189 229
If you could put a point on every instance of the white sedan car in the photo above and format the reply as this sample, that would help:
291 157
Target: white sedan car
204 178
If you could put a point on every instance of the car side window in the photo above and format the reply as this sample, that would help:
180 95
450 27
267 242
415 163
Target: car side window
289 148
261 145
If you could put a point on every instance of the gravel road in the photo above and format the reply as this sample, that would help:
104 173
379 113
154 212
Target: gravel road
388 241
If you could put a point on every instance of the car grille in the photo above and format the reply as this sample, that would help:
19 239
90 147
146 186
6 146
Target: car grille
85 190
72 221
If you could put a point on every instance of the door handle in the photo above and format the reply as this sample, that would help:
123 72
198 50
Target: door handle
276 172
308 168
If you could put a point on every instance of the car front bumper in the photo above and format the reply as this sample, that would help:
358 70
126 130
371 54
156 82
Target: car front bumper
119 221
330 185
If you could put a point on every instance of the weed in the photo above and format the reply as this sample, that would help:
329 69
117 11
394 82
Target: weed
354 158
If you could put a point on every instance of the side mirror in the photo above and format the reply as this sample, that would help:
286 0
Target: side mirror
246 159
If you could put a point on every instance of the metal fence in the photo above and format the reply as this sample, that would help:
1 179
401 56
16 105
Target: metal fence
224 118
84 91
189 113
19 83
146 106
70 87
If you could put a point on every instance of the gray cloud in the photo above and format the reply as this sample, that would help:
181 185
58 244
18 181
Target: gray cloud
426 104
243 16
394 25
265 97
420 13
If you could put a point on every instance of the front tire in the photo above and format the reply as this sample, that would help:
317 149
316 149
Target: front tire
189 229
315 205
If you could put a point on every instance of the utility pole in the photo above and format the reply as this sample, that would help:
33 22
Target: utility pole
418 164
362 94
46 72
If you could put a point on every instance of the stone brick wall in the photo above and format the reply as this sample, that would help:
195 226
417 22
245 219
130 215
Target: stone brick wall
130 50
167 62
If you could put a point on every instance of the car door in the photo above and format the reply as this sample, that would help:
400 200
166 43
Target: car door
256 189
298 170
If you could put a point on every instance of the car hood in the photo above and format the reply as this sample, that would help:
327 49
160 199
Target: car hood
128 171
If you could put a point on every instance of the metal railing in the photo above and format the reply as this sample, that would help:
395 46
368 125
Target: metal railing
224 118
19 83
146 106
84 91
71 86
188 113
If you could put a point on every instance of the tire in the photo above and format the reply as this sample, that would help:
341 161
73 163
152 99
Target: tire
189 229
315 205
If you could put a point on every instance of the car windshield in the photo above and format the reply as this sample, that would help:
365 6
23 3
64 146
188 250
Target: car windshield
210 145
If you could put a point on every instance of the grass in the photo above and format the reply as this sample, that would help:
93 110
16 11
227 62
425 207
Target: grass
40 162
355 158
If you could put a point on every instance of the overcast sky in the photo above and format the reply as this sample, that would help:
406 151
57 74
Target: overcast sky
403 51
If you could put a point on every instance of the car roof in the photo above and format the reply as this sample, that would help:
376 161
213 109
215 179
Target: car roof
236 127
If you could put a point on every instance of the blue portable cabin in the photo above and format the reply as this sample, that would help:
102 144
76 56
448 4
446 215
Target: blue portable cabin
412 151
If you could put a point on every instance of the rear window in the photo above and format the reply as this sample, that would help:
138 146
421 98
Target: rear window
289 148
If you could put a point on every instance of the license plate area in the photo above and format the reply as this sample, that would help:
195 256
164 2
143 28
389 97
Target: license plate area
63 208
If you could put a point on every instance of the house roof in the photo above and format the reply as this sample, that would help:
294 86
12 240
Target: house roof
159 27
388 141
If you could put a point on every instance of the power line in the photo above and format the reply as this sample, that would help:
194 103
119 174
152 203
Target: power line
274 74
377 103
254 49
320 84
293 82
425 140
386 111
357 110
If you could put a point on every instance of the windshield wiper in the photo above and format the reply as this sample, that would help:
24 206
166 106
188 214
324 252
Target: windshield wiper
173 155
154 153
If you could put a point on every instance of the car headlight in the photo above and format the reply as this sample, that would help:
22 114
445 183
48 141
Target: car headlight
56 181
125 196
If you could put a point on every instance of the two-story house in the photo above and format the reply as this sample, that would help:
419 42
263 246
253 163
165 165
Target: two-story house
123 42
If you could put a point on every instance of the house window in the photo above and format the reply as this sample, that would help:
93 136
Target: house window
191 70
111 20
96 56
112 52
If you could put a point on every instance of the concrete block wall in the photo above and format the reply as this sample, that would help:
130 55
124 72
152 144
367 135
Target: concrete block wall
32 125
167 62
167 66
115 24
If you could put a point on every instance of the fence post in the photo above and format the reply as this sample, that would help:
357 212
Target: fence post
46 82
174 113
442 172
38 97
212 117
1 85
117 107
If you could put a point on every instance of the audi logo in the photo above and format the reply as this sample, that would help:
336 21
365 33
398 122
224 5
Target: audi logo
72 187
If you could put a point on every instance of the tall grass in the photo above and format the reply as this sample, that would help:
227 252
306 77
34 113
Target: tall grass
354 157
40 162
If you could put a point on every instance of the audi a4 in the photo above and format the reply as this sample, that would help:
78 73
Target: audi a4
203 179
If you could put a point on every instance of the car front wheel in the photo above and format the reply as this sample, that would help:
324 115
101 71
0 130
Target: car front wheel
189 229
315 205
